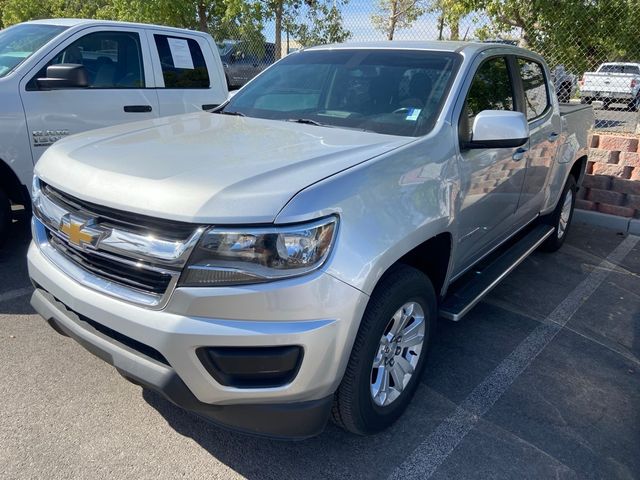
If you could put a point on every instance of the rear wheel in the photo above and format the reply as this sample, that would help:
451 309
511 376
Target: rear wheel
389 352
561 217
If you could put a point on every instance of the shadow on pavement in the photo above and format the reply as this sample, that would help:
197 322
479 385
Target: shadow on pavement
13 266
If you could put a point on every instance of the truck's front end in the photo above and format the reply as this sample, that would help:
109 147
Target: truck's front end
160 301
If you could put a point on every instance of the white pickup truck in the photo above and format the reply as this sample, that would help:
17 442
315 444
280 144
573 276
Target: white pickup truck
60 77
286 255
617 82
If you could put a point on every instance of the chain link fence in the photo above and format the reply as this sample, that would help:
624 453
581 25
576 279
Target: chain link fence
590 45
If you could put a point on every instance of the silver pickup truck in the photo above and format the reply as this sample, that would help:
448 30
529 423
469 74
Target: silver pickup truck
284 259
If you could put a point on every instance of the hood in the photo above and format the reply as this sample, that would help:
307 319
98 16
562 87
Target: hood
203 167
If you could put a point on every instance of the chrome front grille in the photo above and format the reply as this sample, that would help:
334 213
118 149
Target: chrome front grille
128 256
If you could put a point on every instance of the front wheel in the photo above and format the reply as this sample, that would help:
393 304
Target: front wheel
389 352
561 217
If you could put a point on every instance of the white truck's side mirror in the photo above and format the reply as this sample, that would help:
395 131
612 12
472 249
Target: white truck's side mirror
499 129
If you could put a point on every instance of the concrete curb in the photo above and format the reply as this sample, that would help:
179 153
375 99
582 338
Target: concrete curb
612 222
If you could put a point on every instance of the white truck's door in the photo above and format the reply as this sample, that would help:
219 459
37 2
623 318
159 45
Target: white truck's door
188 72
121 86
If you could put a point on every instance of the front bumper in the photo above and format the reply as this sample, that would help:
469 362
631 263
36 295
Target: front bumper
317 312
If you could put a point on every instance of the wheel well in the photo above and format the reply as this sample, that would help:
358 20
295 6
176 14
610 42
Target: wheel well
578 170
431 258
11 185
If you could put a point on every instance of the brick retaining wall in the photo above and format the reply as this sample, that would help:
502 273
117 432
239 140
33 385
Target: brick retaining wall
612 183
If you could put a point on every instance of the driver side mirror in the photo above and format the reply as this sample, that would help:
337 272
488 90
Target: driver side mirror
499 129
64 75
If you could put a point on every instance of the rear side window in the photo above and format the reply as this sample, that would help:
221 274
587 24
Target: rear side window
535 87
182 62
112 59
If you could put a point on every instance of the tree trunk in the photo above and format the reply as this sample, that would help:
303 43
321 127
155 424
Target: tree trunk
278 42
393 19
440 26
202 17
455 29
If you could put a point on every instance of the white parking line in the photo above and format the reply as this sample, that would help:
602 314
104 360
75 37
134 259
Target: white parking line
430 454
17 293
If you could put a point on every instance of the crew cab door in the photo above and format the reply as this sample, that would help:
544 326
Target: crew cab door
491 178
545 127
120 86
188 72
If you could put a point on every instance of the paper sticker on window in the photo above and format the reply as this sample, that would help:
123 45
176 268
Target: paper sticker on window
180 53
413 114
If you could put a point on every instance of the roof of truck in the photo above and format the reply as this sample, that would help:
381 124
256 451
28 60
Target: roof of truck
85 22
438 45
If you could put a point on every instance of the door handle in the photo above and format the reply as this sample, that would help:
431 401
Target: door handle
137 108
553 136
519 153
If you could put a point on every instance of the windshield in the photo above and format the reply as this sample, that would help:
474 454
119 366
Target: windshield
619 69
396 92
19 42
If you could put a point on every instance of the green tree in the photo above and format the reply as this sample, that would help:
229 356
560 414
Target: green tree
323 25
577 33
16 11
450 13
393 15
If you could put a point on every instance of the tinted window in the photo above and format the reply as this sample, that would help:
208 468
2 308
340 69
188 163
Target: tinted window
491 89
619 69
386 91
112 59
20 42
183 64
535 87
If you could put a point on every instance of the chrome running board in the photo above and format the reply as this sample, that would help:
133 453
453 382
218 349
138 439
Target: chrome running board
464 295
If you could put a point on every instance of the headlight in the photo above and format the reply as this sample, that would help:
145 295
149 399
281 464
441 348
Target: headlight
35 191
237 256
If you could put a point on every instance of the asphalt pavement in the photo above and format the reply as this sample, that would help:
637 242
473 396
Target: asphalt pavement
616 118
540 380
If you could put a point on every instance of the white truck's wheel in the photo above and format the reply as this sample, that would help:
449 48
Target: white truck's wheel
5 217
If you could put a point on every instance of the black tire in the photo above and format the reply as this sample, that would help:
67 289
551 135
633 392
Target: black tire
559 235
354 408
634 105
5 217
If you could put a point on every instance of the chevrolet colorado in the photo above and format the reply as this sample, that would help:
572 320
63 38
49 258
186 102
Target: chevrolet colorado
284 258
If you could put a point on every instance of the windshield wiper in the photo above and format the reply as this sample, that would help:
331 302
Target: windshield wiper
228 112
308 121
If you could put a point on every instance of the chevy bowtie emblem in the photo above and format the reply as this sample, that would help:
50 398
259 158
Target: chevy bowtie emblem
79 232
